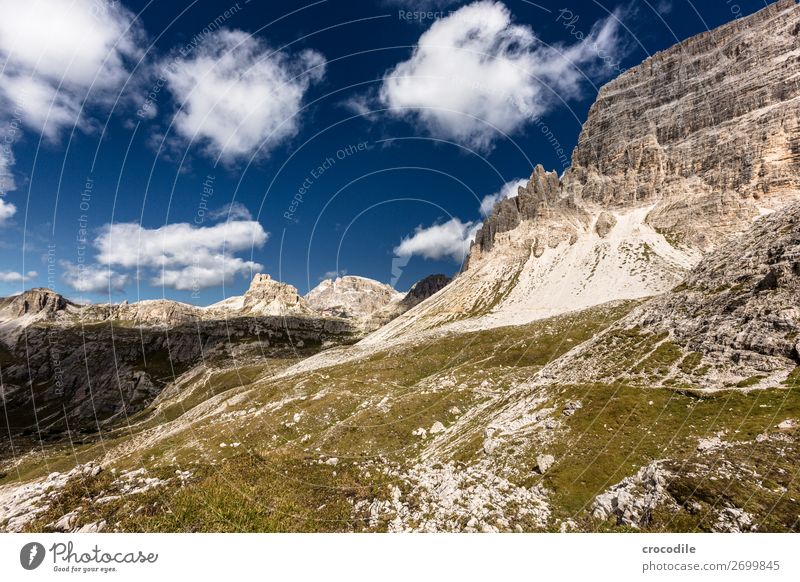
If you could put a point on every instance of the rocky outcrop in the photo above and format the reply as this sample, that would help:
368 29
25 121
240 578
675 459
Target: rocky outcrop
632 501
423 289
419 292
351 297
741 304
604 224
541 201
269 297
33 302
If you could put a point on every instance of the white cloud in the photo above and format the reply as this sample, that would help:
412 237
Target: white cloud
92 278
449 239
509 190
7 161
7 210
57 54
475 73
182 256
231 211
235 94
207 273
14 277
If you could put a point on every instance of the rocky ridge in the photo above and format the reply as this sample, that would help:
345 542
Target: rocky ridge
678 155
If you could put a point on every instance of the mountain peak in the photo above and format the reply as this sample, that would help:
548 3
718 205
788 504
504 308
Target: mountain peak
267 296
351 296
32 302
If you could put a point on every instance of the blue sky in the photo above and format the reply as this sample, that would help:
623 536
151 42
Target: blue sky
162 149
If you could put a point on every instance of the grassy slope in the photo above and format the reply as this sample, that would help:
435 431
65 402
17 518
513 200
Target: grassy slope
363 414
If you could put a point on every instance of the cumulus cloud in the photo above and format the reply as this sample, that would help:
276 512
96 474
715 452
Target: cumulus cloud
14 277
237 96
92 278
182 256
449 239
475 73
509 190
58 55
7 210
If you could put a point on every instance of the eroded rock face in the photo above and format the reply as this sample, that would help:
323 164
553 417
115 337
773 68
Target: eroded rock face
269 297
33 302
741 304
543 201
708 132
351 297
708 129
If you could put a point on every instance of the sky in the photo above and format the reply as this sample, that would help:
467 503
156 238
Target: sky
173 149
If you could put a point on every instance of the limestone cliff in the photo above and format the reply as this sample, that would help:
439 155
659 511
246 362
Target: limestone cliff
678 155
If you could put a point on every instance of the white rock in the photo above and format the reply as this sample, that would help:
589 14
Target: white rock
544 462
66 522
437 428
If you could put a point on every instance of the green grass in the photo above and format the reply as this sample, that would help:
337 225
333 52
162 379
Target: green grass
246 493
618 431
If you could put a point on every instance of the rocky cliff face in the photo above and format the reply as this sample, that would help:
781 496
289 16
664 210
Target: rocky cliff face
541 202
351 297
708 130
33 302
269 297
678 155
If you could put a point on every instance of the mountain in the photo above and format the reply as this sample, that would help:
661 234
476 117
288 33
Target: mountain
29 307
677 155
351 297
620 352
269 297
